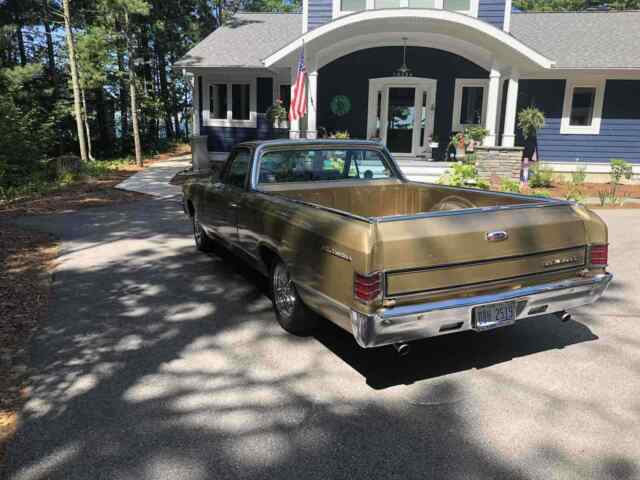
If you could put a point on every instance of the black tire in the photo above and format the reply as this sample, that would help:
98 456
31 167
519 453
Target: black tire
292 314
204 242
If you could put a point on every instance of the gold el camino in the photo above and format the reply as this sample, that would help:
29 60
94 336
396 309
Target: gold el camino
343 235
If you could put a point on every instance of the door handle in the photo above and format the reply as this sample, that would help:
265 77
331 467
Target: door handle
233 205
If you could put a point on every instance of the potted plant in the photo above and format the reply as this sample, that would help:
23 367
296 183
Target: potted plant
475 136
277 114
530 120
459 142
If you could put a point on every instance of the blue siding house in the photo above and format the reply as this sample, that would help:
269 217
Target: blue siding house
468 62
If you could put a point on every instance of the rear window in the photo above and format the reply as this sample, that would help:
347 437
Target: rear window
322 165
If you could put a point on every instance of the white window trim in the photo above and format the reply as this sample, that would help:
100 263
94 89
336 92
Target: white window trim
230 121
593 129
371 5
461 83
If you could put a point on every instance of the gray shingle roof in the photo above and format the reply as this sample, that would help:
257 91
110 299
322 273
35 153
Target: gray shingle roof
582 39
571 39
245 41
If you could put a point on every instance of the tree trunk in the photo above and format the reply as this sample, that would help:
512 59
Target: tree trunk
132 94
74 81
164 91
85 117
50 52
123 101
21 49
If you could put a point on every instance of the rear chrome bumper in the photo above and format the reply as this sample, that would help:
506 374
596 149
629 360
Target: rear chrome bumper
412 322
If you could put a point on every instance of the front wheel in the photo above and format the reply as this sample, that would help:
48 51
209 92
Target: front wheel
291 313
204 243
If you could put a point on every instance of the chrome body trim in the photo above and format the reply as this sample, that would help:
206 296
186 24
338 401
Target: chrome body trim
413 322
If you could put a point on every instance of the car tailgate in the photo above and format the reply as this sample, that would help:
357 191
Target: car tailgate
452 249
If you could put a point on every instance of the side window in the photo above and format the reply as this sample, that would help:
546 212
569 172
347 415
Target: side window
236 172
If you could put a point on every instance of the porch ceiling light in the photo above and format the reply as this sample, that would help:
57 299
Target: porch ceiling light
403 71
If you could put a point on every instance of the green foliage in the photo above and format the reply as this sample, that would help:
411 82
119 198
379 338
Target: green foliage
509 185
277 112
540 177
530 120
619 170
340 135
476 133
464 175
574 192
573 5
542 193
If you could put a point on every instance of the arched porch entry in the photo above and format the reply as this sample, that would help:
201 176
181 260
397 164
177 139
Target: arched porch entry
498 54
413 116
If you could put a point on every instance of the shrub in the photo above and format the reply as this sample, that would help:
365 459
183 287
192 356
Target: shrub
341 135
277 112
620 169
540 177
542 193
464 175
509 185
476 133
530 120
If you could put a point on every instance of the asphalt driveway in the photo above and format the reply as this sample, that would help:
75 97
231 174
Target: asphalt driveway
161 363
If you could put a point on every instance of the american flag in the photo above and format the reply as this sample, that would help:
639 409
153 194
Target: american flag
299 98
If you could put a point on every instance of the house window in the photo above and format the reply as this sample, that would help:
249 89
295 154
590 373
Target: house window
352 5
469 103
240 101
231 104
457 5
218 101
582 108
343 7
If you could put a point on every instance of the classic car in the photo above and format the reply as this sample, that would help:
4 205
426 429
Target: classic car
343 235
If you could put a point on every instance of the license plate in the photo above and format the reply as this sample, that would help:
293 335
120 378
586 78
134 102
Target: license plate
494 315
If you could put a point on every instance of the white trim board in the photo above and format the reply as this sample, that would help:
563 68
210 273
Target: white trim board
598 103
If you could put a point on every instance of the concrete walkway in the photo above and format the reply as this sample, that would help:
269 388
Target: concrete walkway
154 179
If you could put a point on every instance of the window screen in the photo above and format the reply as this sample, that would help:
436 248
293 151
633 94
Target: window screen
457 5
353 5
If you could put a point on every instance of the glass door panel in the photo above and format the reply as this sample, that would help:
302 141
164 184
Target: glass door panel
401 119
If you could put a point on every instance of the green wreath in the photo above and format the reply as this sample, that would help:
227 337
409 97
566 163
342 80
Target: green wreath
340 105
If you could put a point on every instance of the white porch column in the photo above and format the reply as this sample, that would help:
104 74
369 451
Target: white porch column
312 105
509 136
195 101
493 101
294 125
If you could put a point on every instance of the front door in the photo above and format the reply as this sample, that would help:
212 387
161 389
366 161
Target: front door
401 113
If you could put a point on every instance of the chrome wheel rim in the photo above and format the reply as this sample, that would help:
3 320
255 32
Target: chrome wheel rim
197 229
284 292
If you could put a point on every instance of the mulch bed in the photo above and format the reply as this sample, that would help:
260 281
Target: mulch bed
27 258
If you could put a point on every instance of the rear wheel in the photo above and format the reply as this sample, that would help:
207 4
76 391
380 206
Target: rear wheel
204 243
293 315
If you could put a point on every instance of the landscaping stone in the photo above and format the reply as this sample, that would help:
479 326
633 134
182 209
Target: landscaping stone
503 162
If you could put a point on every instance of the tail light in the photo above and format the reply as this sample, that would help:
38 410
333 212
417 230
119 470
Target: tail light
599 255
367 288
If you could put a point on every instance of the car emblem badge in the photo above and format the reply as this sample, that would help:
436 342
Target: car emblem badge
497 236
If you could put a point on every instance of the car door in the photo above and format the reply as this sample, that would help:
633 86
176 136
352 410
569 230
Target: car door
223 197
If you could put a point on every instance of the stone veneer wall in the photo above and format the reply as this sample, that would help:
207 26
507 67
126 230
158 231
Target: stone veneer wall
499 161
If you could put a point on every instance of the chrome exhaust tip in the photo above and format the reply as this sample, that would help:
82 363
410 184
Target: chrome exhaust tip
564 316
402 348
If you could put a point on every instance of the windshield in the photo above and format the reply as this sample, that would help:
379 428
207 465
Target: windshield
319 164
